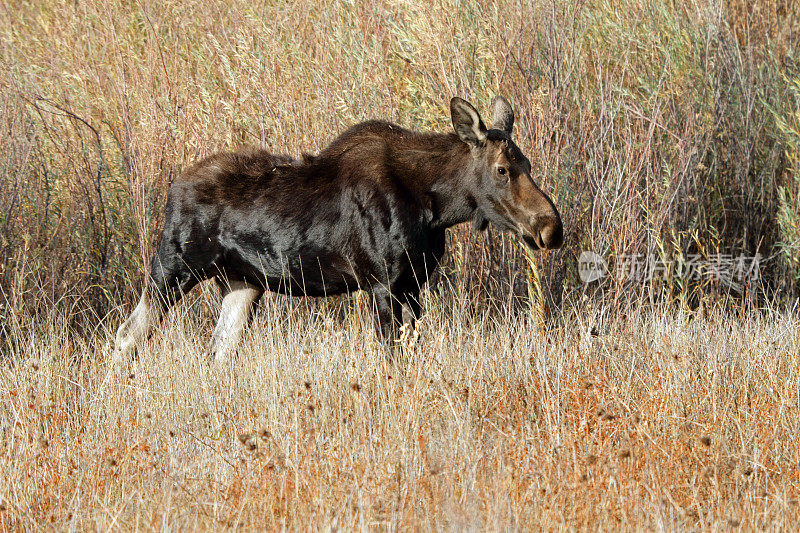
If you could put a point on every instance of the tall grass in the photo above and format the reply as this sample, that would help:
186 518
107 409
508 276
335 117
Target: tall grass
660 420
789 193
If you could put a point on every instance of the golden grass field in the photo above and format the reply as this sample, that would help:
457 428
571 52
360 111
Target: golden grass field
531 401
661 421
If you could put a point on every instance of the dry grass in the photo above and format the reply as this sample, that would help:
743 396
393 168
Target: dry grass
663 420
667 128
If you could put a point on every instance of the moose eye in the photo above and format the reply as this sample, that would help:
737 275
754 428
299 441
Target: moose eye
502 171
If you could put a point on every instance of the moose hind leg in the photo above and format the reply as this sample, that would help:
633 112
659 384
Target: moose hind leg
137 327
237 305
164 288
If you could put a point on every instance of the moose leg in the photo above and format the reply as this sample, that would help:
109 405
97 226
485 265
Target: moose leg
409 329
237 305
388 314
411 300
137 327
163 289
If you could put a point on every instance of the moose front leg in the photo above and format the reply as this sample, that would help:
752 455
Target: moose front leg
409 334
411 299
388 314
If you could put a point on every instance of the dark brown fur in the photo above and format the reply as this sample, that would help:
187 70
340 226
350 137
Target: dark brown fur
368 212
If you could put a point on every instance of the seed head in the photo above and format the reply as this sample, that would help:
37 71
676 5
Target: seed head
249 441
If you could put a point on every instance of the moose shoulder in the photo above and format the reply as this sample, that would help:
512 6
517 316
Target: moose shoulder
368 212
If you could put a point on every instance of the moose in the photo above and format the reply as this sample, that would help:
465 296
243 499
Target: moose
369 213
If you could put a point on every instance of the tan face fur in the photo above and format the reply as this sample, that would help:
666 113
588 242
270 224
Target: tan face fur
505 191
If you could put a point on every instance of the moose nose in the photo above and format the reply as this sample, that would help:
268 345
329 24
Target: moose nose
551 233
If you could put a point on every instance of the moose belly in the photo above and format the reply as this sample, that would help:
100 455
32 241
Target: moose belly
289 264
312 275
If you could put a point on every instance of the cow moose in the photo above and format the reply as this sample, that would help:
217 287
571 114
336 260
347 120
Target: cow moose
369 212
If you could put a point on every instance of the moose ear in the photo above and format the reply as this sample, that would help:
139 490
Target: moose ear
503 118
467 122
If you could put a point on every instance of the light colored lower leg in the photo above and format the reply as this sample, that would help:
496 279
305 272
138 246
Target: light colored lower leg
136 328
236 309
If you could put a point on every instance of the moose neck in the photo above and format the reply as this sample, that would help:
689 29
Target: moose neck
443 166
